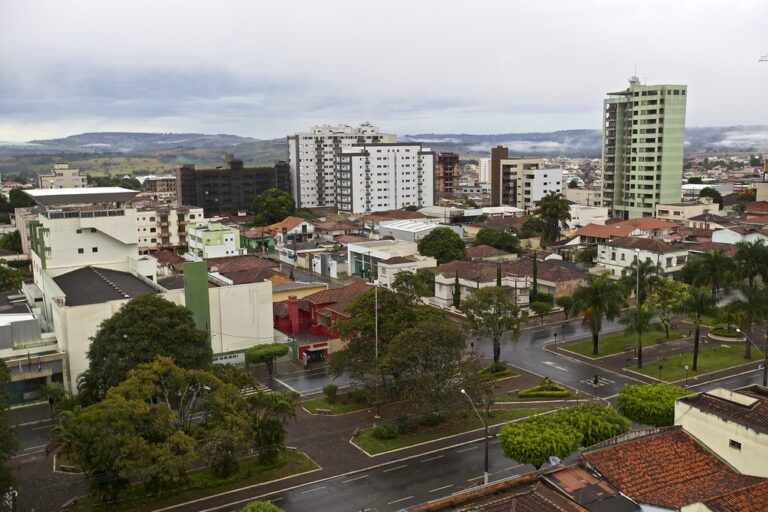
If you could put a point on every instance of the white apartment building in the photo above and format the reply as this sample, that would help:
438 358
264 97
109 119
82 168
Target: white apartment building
484 170
582 215
311 158
209 238
618 254
63 177
535 184
165 227
382 177
681 212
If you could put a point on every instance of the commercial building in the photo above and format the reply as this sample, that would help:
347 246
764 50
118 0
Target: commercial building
381 177
413 230
643 136
363 258
311 158
447 173
521 182
63 177
583 215
230 188
212 239
165 227
163 187
584 196
682 212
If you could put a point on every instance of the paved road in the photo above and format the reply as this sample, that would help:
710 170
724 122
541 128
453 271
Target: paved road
308 382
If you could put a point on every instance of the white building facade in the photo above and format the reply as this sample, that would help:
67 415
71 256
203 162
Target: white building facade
382 177
165 227
311 158
63 177
484 170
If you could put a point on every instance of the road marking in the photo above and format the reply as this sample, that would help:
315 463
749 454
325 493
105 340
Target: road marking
433 458
495 442
393 469
353 479
441 488
555 366
466 449
514 467
43 427
313 490
398 501
35 447
276 499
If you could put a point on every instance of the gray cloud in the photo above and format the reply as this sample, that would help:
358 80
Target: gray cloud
265 69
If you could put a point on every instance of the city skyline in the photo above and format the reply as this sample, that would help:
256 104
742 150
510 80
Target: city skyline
267 71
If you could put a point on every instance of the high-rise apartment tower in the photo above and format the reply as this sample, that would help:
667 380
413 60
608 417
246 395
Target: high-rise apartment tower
643 136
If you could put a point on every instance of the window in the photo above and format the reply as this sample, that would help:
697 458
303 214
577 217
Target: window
734 444
94 249
93 230
80 251
79 231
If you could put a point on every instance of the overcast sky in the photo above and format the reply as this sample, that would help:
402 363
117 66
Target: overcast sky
269 68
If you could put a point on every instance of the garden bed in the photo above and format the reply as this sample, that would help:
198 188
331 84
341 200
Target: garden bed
341 404
496 371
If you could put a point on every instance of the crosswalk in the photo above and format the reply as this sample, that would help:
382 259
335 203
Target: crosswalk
601 381
252 391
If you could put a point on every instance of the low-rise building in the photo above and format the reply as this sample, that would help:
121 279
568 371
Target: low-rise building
583 215
488 253
736 234
583 196
413 230
388 269
363 258
618 254
710 221
63 177
211 239
681 212
165 227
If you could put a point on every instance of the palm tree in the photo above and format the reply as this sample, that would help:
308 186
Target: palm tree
598 298
650 274
555 211
713 269
754 307
751 259
638 321
698 303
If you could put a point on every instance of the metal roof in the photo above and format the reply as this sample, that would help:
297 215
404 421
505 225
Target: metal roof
62 196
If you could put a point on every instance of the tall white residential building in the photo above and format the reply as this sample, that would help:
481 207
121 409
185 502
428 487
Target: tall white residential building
484 170
381 177
63 177
165 227
311 157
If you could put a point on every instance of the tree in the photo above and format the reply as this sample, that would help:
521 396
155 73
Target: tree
10 279
534 441
266 353
598 298
143 328
541 308
713 269
498 239
261 506
443 244
532 226
456 292
638 321
11 241
650 274
491 313
412 285
595 422
696 305
565 302
649 404
269 412
535 272
665 299
427 278
753 305
19 199
8 442
586 255
574 183
695 180
554 210
272 206
714 194
751 260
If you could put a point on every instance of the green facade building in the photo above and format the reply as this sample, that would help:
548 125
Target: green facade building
643 137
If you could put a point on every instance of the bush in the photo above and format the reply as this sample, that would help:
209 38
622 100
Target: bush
497 367
651 404
431 419
358 395
330 390
534 393
405 425
386 432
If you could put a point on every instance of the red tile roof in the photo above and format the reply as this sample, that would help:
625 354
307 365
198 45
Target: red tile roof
334 295
342 225
484 251
669 469
625 227
238 263
349 239
756 207
397 260
754 417
166 256
647 244
256 275
552 270
750 499
288 223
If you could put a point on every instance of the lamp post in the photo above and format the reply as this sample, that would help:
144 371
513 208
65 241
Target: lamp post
765 355
660 368
485 426
595 383
686 375
555 342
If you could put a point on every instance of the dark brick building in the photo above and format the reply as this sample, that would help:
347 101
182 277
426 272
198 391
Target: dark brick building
447 172
228 188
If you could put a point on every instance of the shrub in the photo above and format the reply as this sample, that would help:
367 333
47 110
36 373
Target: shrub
651 404
386 432
405 425
330 390
431 419
497 367
358 395
534 393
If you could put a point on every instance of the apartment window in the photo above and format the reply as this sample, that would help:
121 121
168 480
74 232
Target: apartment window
152 230
93 230
94 249
151 219
734 444
79 231
80 251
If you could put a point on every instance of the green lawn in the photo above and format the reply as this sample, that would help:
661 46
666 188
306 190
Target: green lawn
203 483
711 359
615 343
461 422
340 406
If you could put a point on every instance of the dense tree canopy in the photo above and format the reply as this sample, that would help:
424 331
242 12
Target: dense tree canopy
554 210
650 404
144 327
267 354
19 199
443 244
272 206
10 278
11 241
716 196
491 313
665 300
415 285
499 239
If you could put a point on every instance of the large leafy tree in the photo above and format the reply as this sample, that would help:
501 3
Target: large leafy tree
443 244
499 239
272 206
716 196
267 354
11 241
595 422
753 305
665 299
699 303
491 313
650 275
19 199
598 298
751 260
143 328
554 210
269 413
650 404
414 285
713 269
638 321
10 278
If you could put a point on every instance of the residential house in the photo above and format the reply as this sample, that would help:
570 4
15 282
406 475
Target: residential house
363 257
646 227
710 221
331 229
388 269
488 253
736 234
681 212
212 239
617 255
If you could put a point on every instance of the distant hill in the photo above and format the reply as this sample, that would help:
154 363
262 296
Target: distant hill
129 142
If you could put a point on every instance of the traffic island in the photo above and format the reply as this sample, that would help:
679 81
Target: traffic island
613 344
711 359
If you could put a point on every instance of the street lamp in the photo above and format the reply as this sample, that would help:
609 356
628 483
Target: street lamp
686 375
555 341
765 355
660 368
485 426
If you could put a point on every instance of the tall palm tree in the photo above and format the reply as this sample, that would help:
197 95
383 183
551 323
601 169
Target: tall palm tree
754 307
638 321
598 298
714 269
751 259
650 274
698 303
555 211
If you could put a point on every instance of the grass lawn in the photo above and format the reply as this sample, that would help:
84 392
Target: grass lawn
340 406
711 359
203 483
496 371
615 343
453 425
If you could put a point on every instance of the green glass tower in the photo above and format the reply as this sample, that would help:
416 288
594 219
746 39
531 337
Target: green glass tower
643 137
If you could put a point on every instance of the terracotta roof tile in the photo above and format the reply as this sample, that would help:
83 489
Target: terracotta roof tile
238 263
166 256
669 469
349 239
334 295
484 251
754 417
749 499
396 260
256 275
287 223
625 227
757 207
646 244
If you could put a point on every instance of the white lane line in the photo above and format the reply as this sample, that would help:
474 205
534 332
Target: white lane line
466 449
35 447
433 458
44 427
276 499
393 469
353 479
398 501
313 490
441 488
514 467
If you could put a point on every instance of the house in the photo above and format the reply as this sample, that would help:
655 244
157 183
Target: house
736 234
291 230
583 215
363 257
486 252
646 227
618 254
413 230
681 212
257 240
332 229
212 239
388 269
710 221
